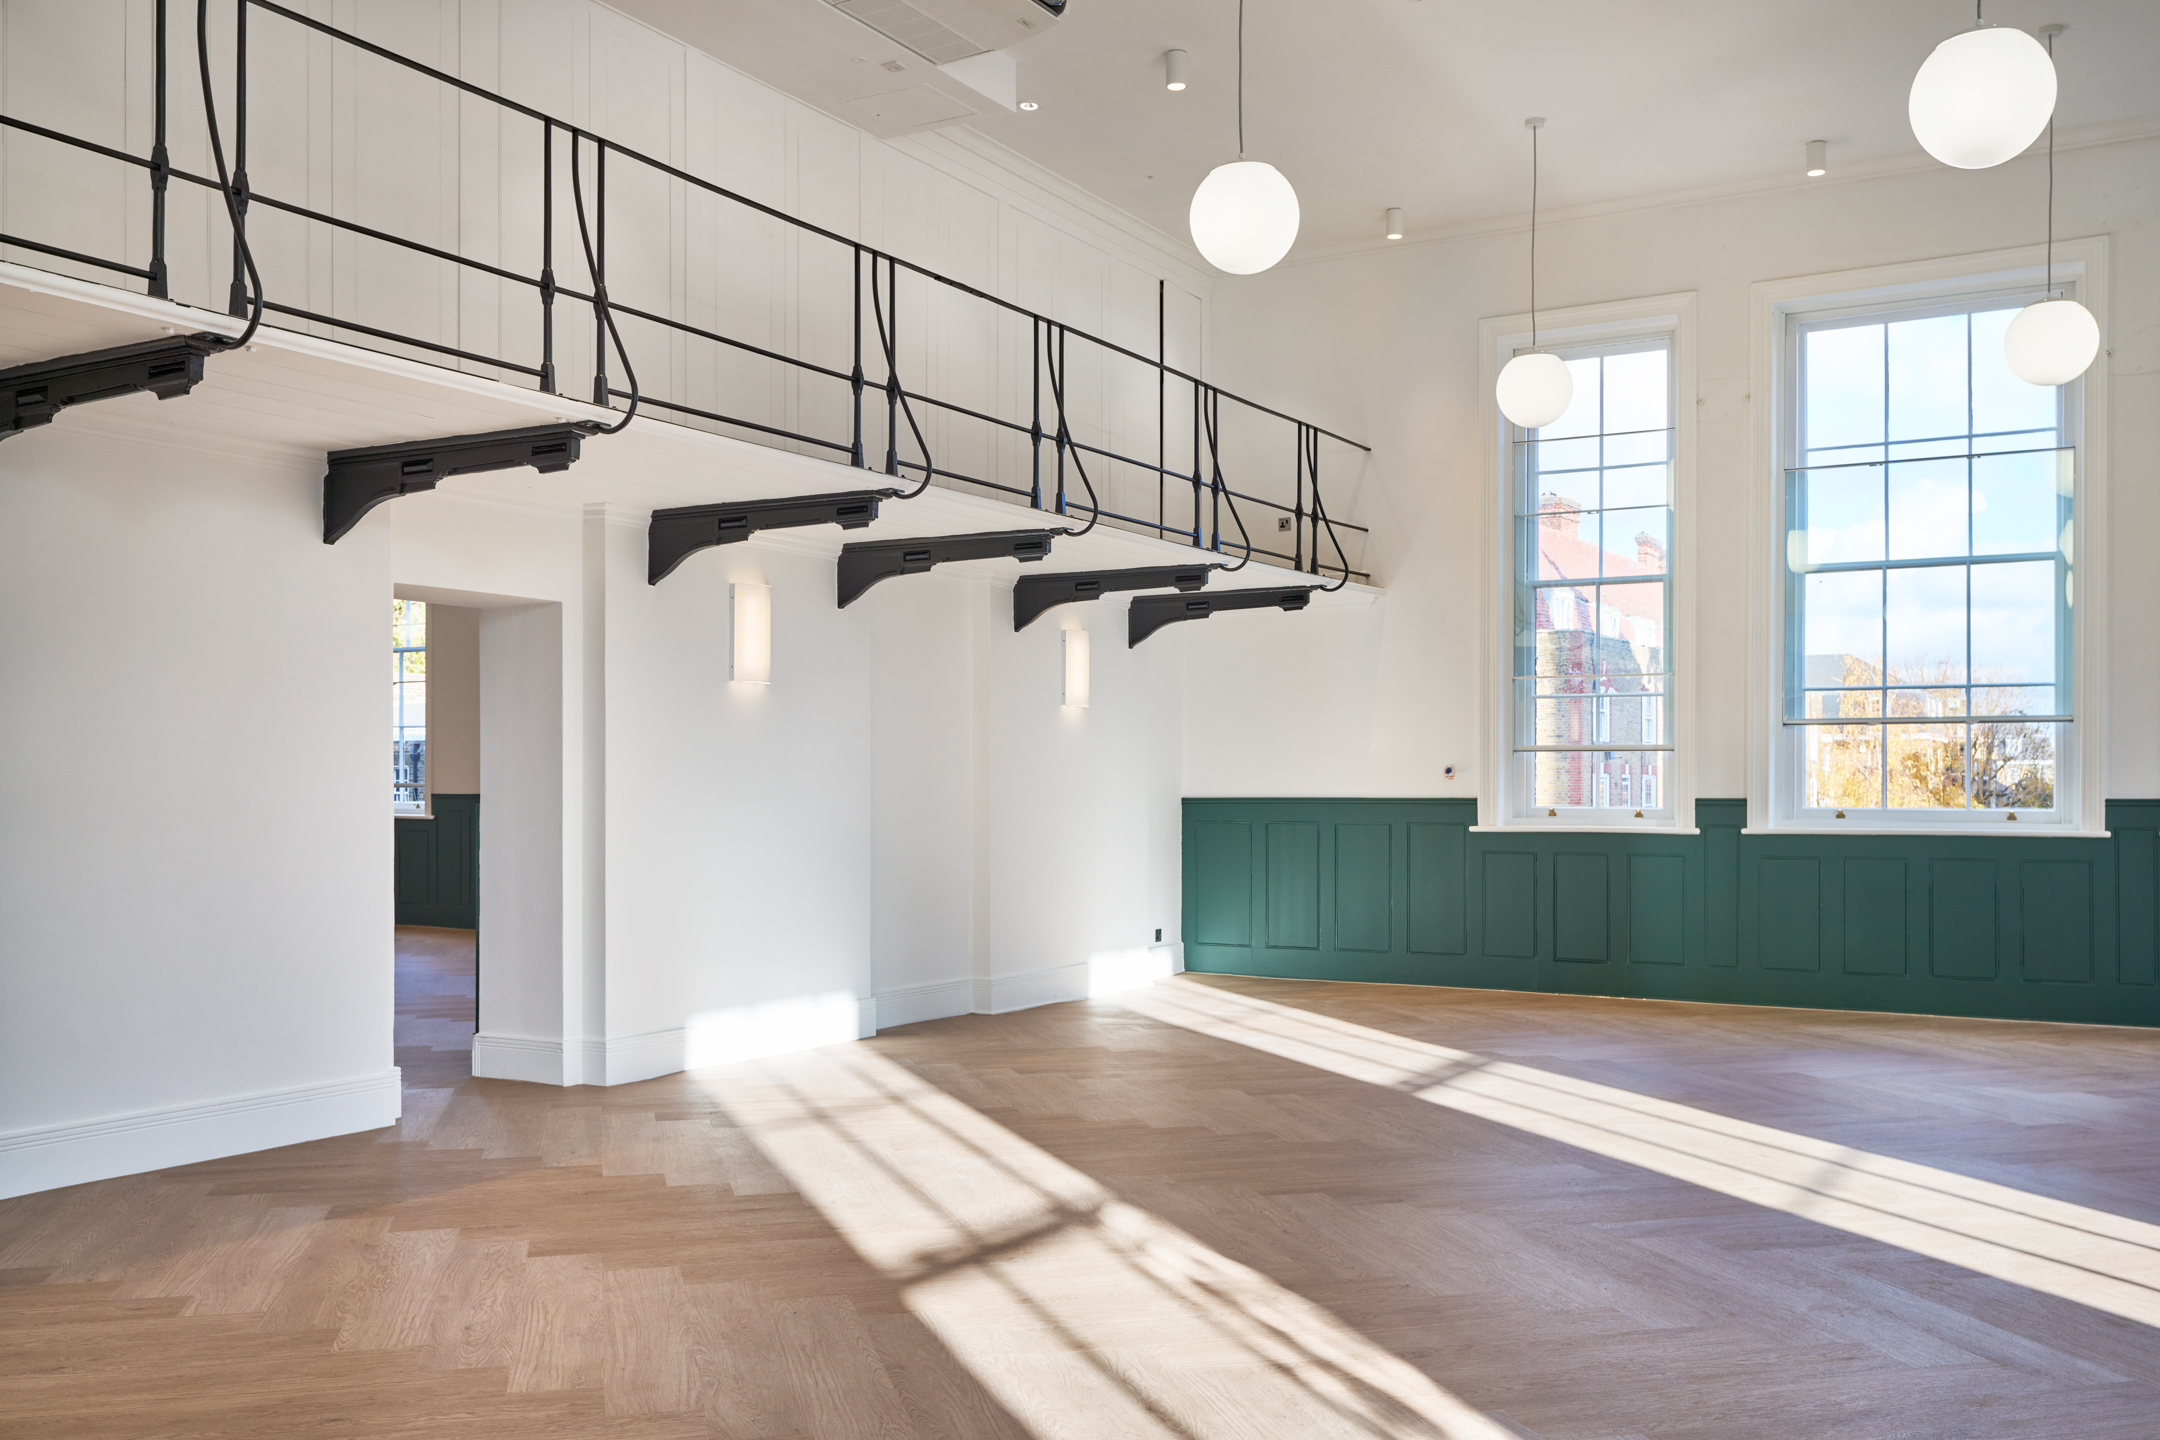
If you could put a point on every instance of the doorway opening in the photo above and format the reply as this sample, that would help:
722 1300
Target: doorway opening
435 809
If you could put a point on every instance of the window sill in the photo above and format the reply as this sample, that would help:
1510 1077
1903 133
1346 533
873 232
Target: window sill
1961 832
1557 827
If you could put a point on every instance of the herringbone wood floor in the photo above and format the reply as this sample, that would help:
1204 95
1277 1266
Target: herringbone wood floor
517 1261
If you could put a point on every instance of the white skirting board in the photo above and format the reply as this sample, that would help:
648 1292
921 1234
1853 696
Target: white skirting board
715 1040
55 1155
755 1031
1003 994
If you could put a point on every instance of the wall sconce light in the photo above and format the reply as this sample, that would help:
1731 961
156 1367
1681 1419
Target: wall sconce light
1394 223
1818 158
1076 668
1173 65
750 626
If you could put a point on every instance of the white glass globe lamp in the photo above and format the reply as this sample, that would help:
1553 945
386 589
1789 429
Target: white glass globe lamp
1982 97
1244 216
2051 343
1535 389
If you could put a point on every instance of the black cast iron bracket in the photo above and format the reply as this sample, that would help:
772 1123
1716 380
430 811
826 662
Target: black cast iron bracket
865 562
359 480
1034 594
1150 613
31 395
675 535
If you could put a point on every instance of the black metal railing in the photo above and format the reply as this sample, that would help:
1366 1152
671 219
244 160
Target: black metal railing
1058 481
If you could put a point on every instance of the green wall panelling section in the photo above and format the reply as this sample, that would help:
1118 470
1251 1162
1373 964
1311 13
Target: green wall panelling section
438 864
1406 891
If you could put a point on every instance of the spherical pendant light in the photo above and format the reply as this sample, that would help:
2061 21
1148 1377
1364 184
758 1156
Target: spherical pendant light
2054 341
1982 97
1244 216
1535 389
2051 343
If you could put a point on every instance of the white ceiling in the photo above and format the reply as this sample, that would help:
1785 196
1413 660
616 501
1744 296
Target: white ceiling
1366 104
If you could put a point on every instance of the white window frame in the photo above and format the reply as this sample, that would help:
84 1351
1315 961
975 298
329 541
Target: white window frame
426 808
1775 784
1671 317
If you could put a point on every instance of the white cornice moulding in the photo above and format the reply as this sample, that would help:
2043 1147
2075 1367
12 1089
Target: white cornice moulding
50 1156
2084 137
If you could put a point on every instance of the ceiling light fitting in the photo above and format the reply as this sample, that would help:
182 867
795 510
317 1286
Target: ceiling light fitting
1983 96
1818 158
1394 223
1173 64
2051 342
1535 388
1244 216
1029 105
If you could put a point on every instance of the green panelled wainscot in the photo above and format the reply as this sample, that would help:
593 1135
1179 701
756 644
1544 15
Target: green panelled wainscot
1405 891
438 864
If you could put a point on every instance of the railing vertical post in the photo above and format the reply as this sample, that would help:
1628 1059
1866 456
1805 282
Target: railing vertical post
547 256
1297 523
1197 528
1064 428
1162 419
855 451
237 302
160 172
1214 445
892 366
599 380
1035 352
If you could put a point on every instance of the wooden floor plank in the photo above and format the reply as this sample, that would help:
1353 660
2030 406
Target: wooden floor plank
651 1261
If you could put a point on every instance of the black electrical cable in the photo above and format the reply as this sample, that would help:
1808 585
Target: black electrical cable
1064 435
1312 468
1211 417
1241 79
217 153
887 343
600 300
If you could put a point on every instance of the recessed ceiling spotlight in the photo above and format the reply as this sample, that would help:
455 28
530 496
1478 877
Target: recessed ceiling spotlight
1818 158
1028 105
1394 222
1173 62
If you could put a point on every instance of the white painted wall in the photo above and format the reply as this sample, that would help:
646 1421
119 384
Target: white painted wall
1383 344
453 699
194 840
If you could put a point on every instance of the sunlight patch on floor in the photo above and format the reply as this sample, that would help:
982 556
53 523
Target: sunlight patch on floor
2097 1259
1085 1316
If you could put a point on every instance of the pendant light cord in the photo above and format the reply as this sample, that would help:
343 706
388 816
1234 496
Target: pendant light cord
1241 79
1533 237
2049 293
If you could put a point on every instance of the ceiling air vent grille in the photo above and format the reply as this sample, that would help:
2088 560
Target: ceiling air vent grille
901 21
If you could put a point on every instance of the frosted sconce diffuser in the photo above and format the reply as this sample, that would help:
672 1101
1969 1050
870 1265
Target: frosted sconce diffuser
1076 668
750 625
